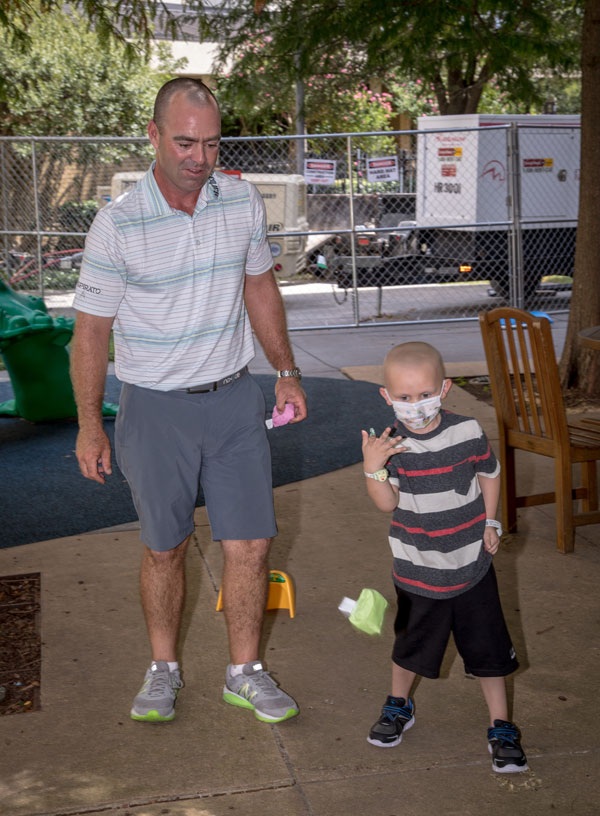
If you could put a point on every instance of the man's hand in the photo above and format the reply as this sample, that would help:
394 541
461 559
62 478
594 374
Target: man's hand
93 454
288 389
378 449
267 316
491 540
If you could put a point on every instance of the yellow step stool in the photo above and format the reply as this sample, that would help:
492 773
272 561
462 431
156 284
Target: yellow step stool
281 593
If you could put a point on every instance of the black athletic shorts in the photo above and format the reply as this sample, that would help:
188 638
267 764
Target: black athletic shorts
475 618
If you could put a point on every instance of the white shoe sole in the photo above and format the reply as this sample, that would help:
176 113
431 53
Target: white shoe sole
398 739
508 768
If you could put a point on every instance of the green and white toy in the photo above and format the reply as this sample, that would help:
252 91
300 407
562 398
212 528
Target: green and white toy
367 613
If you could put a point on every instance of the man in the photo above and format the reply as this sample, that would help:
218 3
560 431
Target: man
179 264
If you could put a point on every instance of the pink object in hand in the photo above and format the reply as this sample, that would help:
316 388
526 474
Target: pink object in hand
284 417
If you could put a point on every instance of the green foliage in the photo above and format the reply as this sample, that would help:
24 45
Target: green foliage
565 92
354 110
453 48
258 94
412 97
76 216
457 48
70 82
129 24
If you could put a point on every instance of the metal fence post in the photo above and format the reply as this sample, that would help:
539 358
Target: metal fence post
516 276
352 235
300 123
36 204
4 181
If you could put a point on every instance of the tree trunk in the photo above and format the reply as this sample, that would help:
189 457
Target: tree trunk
465 100
462 92
579 367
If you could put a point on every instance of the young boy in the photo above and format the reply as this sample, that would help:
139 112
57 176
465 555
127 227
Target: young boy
436 472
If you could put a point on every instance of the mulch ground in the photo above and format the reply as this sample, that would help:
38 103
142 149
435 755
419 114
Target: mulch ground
20 644
477 386
575 401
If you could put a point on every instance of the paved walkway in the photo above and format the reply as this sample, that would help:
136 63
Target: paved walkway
82 754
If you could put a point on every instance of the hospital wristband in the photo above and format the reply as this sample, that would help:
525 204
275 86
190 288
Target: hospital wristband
380 475
493 523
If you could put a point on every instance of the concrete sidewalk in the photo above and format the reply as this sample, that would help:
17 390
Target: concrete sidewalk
82 754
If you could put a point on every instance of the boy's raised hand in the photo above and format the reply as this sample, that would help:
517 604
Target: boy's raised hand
378 449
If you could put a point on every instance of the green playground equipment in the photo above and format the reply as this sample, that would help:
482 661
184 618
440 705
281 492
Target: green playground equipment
33 347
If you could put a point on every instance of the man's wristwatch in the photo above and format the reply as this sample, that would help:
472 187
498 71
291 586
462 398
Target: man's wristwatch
494 523
380 475
290 372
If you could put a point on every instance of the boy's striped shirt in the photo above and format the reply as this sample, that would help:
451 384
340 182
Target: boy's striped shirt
436 533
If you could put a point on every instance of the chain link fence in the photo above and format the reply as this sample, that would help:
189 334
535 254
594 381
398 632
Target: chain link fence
364 228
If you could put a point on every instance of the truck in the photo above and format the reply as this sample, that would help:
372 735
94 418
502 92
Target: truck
479 187
473 185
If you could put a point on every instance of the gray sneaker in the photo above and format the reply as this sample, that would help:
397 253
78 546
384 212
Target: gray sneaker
155 701
254 688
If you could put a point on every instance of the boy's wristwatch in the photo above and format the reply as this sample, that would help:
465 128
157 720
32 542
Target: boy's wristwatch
380 475
494 523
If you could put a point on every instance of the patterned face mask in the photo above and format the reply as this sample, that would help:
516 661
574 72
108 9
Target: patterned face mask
417 415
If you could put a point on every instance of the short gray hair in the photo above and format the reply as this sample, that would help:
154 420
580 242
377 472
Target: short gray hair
194 89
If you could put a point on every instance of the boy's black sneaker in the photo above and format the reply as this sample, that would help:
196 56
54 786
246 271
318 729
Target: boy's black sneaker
396 716
505 747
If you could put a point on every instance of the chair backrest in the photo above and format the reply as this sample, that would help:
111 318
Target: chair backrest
524 374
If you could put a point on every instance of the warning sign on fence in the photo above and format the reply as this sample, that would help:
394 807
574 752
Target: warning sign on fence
538 165
382 169
449 153
319 171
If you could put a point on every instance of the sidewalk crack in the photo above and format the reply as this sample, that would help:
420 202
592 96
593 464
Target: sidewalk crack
291 770
211 576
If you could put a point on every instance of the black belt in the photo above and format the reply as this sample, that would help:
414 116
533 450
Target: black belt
206 387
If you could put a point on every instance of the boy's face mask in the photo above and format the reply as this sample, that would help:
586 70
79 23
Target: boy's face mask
417 415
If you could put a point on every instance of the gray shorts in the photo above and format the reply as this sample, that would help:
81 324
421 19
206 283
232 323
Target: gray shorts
166 442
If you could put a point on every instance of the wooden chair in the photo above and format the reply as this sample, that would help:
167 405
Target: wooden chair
531 417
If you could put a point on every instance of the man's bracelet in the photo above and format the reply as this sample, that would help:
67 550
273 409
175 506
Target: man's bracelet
493 523
290 372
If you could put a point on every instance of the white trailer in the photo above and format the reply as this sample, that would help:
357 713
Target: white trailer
472 185
285 202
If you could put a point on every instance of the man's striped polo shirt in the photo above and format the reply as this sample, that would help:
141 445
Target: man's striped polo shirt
436 534
175 282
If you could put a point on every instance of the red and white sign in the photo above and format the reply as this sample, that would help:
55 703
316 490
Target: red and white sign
319 171
450 152
448 169
538 165
382 169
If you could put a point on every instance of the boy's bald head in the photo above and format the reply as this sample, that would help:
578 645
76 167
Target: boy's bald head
414 355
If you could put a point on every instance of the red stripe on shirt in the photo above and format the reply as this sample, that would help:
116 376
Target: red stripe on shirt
436 533
428 586
449 469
